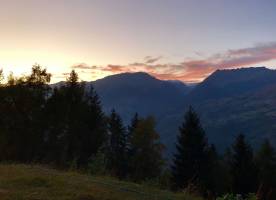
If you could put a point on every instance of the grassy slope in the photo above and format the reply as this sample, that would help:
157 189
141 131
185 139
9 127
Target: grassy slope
25 182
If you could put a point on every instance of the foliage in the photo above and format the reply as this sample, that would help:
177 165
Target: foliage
65 127
146 160
242 167
22 121
266 161
97 164
76 124
116 153
190 165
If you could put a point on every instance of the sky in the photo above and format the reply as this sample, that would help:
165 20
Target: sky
171 39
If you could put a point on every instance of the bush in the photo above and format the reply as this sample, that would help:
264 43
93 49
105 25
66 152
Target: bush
97 164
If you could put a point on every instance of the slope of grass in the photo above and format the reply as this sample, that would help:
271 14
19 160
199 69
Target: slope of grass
25 182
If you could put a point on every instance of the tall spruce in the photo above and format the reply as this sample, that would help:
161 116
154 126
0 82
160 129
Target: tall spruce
130 131
117 162
133 124
266 162
76 124
243 170
190 163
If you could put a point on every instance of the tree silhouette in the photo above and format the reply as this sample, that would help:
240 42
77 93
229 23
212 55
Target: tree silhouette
76 124
266 162
190 164
242 167
22 108
146 161
117 146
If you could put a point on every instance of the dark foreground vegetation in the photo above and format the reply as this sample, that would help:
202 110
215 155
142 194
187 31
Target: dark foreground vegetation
26 182
66 128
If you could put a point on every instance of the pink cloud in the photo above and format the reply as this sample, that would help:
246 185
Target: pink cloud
115 68
194 70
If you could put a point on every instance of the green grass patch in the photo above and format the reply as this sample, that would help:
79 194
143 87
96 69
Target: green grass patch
26 182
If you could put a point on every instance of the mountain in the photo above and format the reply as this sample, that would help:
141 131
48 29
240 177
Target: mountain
237 101
229 102
139 92
233 82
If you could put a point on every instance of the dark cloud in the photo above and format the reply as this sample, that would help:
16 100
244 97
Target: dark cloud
151 60
83 66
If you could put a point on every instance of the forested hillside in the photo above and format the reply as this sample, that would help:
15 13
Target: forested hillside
229 102
65 127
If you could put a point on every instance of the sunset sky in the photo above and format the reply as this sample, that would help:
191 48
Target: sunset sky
170 39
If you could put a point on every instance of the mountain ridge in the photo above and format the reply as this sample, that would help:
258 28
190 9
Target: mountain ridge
228 101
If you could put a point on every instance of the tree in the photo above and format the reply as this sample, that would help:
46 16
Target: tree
266 162
217 181
76 124
22 108
1 76
190 164
133 124
242 167
146 161
130 131
117 162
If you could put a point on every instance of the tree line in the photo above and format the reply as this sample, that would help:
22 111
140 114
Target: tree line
65 126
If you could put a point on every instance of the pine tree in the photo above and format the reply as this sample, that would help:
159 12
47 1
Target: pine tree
95 120
217 180
117 146
76 124
133 124
190 164
130 149
242 167
266 162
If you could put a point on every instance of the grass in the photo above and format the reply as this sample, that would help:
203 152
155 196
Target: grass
34 182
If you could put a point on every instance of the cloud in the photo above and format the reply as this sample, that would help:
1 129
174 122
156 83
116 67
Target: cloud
151 60
115 68
245 57
192 70
83 66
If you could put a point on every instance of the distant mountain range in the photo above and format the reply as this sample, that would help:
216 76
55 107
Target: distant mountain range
139 92
229 102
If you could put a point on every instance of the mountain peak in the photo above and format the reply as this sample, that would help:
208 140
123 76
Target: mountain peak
136 76
243 70
239 74
232 82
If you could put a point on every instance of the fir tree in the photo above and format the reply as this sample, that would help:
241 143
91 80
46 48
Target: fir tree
130 149
242 167
133 124
76 124
116 153
190 164
266 161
